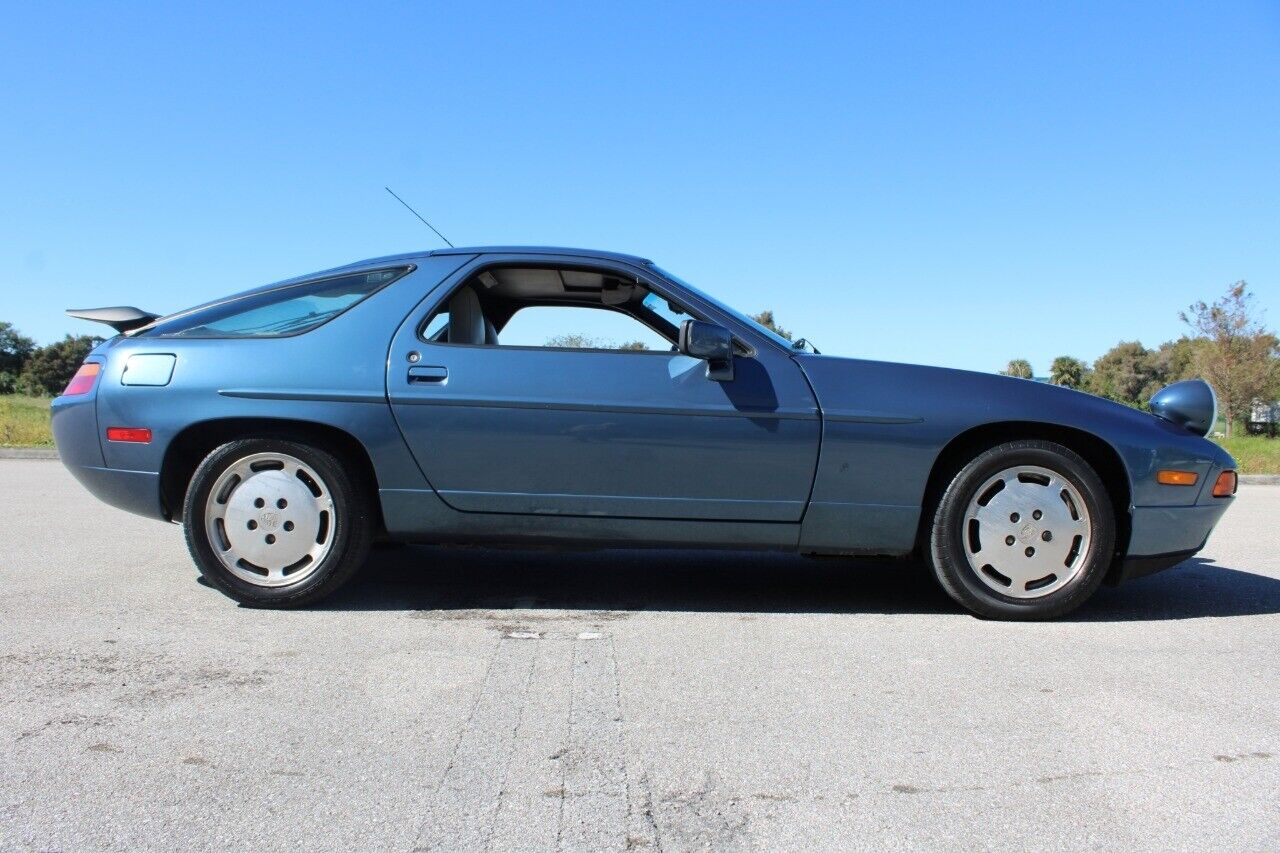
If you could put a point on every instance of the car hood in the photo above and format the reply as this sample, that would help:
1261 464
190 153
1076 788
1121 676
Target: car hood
945 401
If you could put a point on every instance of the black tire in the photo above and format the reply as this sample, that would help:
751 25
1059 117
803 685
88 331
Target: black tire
352 526
947 544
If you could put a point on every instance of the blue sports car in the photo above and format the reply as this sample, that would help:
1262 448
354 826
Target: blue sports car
419 398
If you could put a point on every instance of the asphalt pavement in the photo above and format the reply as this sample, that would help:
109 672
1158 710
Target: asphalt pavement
470 699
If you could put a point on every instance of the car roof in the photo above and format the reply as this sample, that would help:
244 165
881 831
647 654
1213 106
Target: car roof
540 250
491 250
406 258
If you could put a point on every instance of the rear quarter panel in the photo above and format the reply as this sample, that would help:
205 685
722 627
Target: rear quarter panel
334 375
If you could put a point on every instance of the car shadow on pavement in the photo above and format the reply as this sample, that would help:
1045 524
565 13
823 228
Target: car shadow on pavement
440 578
1197 588
469 579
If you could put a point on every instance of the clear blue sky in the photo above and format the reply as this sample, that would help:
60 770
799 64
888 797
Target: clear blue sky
941 183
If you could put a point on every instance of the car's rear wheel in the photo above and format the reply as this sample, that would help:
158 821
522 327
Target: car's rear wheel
276 523
1025 530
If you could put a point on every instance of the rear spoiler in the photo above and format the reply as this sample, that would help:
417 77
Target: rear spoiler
122 318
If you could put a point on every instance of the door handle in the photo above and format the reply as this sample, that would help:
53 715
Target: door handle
427 374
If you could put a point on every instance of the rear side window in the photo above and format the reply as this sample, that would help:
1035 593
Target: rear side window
289 310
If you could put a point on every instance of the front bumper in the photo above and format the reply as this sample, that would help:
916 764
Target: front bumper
1169 529
1163 536
1131 568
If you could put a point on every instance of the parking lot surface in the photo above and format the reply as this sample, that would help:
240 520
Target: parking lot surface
469 699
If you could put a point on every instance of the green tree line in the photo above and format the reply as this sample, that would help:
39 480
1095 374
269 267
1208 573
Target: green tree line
1227 345
40 371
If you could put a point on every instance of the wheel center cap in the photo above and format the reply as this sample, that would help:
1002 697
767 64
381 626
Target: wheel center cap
269 520
1028 532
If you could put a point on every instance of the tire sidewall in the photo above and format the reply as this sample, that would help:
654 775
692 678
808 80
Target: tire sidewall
950 556
351 525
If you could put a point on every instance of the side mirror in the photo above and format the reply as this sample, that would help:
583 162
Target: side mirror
711 343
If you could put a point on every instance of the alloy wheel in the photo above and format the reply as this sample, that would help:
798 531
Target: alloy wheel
270 519
1027 532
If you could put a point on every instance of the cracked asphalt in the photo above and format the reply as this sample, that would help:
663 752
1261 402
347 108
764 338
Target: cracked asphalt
512 700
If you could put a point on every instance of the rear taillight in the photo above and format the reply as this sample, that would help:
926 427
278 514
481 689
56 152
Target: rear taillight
1225 486
84 380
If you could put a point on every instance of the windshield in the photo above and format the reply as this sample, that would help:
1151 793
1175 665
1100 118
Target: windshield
762 329
664 309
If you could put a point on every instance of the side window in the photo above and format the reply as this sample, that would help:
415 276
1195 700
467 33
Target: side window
556 308
437 327
580 327
287 310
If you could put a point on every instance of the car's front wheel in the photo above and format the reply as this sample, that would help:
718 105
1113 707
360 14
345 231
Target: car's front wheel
1025 530
276 523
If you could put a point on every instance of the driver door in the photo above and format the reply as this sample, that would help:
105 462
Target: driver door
566 430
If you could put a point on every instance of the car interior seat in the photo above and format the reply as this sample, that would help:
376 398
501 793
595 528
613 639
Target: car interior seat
467 323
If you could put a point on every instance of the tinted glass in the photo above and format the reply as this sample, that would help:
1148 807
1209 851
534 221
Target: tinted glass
768 333
666 311
288 310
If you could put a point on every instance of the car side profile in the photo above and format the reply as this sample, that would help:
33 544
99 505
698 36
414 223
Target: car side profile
411 399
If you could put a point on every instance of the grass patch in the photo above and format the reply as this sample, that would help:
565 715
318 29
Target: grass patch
24 421
1255 454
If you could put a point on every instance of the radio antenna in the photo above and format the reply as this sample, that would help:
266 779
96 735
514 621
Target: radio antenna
419 215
